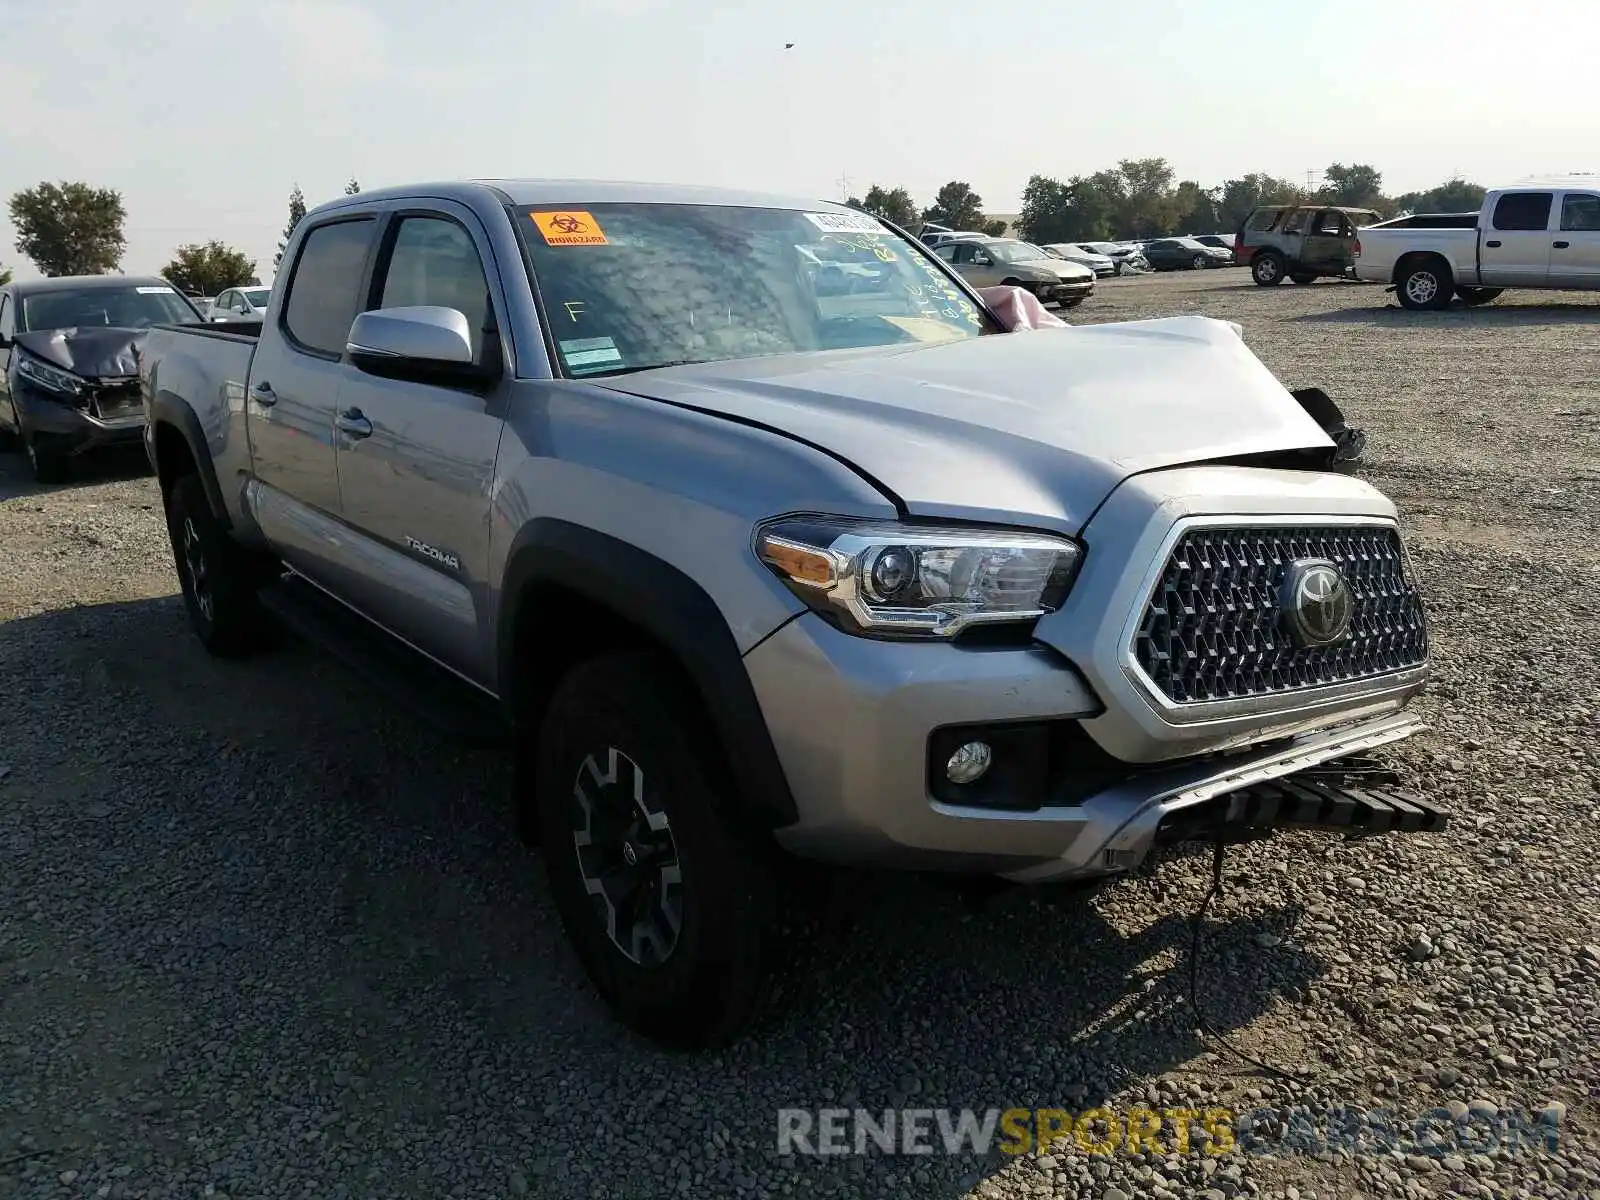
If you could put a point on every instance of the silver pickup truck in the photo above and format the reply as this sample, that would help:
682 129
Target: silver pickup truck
1541 233
742 563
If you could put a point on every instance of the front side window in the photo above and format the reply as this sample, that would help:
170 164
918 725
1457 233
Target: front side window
435 263
631 286
1580 213
324 292
7 325
1297 222
135 306
1525 211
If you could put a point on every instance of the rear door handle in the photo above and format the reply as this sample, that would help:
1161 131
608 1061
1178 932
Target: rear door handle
1494 245
264 394
352 421
1560 245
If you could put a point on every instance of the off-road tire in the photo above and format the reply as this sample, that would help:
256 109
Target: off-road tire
1268 268
1425 285
219 578
627 722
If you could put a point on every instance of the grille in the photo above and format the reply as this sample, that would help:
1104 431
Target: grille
117 399
1212 628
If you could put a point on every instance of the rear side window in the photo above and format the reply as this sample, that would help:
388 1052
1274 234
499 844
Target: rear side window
324 292
1580 213
1523 210
1264 218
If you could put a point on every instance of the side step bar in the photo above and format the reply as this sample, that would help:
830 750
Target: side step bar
1349 796
433 695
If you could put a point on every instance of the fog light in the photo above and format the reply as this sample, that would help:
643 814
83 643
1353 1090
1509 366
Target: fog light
969 762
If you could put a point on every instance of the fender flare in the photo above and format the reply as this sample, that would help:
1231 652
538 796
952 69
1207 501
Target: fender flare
676 612
167 409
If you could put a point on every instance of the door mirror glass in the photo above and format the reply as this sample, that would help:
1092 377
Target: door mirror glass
421 342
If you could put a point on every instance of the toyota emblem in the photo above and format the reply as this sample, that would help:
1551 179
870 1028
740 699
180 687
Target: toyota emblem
1316 603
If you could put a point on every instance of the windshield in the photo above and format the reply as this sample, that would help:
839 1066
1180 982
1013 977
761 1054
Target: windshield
626 287
1100 247
1014 252
256 296
133 307
1189 244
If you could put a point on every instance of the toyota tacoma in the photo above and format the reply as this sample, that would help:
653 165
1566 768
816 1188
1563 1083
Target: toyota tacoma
739 564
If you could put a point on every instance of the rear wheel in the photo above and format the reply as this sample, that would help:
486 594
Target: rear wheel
667 903
1425 284
1474 296
219 583
1268 268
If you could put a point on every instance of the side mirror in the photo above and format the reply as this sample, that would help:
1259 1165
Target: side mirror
425 343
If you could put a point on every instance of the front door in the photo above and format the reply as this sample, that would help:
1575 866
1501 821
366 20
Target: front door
416 460
1515 250
976 265
1575 247
293 394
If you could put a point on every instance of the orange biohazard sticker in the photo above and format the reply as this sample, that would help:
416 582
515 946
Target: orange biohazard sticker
573 227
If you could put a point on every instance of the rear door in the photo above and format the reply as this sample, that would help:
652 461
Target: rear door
1515 250
293 396
1575 247
416 460
1328 241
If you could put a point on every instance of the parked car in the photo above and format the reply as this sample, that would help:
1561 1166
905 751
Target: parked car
1184 254
1218 240
988 262
1536 234
1299 242
242 304
739 569
1121 255
1100 264
68 377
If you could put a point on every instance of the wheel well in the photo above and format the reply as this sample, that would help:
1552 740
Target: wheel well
174 460
1414 258
1011 283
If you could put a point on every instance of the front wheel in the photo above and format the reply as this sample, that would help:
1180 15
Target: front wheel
1267 269
1474 296
1426 285
47 465
1199 262
667 904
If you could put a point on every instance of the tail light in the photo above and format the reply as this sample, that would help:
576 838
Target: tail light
1238 241
1358 248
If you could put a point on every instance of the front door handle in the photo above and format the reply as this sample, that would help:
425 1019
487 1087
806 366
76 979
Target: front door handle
1494 245
1560 245
264 394
352 421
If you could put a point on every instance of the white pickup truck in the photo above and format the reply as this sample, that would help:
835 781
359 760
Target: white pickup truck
1540 233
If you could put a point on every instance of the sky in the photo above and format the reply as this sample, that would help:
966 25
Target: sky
204 114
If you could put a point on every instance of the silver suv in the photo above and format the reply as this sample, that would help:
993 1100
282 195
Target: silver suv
748 524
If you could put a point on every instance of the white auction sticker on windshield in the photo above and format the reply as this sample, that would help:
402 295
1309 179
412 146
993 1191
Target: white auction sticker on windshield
590 353
845 223
154 291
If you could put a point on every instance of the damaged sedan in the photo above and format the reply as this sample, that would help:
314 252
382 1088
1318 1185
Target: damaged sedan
69 372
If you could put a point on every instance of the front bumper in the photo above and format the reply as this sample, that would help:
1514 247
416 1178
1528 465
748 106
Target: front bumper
59 426
1067 290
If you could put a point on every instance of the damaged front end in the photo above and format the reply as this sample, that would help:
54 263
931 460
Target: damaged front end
75 390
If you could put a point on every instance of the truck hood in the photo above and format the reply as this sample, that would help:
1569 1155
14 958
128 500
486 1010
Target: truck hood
88 351
1034 427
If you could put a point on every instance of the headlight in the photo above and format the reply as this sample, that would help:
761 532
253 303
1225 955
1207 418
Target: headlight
52 379
918 580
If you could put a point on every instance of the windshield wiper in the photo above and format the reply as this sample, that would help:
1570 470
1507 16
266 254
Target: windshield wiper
673 362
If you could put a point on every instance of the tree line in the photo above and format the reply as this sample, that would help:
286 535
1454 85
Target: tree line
76 229
1143 198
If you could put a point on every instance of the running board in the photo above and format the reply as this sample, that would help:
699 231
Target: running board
433 695
1349 796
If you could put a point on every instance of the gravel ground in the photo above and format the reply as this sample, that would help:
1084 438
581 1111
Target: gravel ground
260 936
